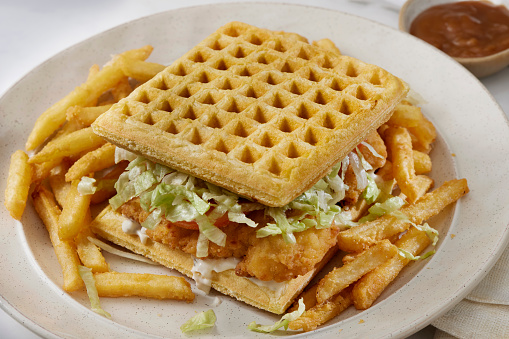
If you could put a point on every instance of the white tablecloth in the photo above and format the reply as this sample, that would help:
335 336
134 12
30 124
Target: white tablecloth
32 31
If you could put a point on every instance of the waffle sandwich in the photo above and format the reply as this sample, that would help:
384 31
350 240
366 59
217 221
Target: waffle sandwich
256 116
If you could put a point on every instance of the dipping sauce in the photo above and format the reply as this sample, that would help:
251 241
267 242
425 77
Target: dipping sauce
464 29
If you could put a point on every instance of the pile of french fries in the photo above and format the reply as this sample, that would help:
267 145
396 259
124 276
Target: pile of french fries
66 151
69 151
378 250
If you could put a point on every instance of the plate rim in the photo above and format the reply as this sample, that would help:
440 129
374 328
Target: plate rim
451 302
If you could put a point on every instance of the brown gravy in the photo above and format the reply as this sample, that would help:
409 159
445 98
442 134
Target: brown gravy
464 29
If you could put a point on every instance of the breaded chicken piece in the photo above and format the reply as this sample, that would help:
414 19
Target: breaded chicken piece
238 237
270 258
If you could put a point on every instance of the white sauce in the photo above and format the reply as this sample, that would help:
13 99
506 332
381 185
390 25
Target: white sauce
278 287
203 268
132 227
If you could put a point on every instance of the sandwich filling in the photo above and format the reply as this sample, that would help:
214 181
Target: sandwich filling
271 243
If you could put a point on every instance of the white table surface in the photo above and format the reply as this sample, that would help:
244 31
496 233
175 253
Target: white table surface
32 31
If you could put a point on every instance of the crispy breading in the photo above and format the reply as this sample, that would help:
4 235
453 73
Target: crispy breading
270 258
238 237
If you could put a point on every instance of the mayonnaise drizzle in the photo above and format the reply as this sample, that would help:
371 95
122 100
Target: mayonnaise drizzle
132 227
203 268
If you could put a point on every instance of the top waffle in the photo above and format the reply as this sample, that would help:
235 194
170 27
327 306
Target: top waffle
263 114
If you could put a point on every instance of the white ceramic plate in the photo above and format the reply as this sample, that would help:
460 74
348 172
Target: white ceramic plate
471 125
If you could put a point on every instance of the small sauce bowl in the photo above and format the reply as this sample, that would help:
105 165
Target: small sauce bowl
480 66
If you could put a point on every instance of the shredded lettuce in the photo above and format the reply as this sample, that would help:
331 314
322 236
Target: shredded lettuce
122 154
284 322
389 206
87 186
88 278
371 149
359 171
371 192
410 256
180 197
430 232
200 321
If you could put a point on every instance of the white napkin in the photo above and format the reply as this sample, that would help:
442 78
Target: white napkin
484 313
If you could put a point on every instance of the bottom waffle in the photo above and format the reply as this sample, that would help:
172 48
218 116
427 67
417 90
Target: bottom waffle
108 225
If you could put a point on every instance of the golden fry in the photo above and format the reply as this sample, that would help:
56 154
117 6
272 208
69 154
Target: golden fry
406 115
308 297
106 185
84 95
43 170
58 184
321 313
65 251
114 284
93 70
18 184
71 144
400 144
74 213
94 161
371 285
422 162
341 277
89 254
423 136
122 89
139 69
86 115
360 237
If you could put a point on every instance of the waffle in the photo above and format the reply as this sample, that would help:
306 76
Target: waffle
263 114
108 225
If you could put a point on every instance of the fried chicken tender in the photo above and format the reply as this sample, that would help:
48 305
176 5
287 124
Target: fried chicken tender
238 237
270 258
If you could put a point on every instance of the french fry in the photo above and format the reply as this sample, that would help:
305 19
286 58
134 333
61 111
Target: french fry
386 171
105 190
58 185
423 135
89 254
71 144
43 170
114 284
327 44
321 313
94 161
93 70
406 115
86 115
122 89
106 185
84 95
341 277
422 162
360 237
48 211
308 297
400 144
371 285
18 184
139 69
74 213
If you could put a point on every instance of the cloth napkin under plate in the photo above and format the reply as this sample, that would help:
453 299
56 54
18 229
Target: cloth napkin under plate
484 313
